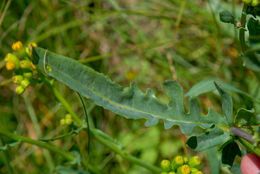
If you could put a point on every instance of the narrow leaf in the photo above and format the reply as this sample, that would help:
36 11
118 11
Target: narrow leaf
227 104
207 140
129 102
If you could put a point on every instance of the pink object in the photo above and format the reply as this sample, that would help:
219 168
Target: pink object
250 164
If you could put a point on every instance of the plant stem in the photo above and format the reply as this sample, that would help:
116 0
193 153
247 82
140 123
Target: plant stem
122 153
242 30
243 134
102 140
67 106
66 155
250 146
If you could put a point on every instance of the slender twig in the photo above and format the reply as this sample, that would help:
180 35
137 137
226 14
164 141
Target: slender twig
242 30
87 120
66 155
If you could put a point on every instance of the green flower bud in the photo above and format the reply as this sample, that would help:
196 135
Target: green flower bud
193 170
68 121
19 90
194 161
166 165
177 161
67 116
12 61
255 2
25 64
27 75
197 172
171 173
17 79
184 169
62 121
25 83
247 1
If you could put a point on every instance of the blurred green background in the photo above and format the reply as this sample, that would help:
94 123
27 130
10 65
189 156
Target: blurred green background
145 41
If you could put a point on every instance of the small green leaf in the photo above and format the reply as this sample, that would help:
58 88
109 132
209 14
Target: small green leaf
205 86
227 104
207 140
229 152
226 17
247 116
253 26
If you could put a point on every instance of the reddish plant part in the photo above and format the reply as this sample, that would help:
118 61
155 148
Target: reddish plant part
250 164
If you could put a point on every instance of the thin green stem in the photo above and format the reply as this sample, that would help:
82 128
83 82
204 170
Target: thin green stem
102 140
59 96
249 146
242 30
117 149
66 155
4 12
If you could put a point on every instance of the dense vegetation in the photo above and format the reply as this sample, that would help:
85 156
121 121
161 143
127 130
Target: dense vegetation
113 86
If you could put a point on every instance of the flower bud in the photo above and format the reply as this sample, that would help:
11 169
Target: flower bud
171 173
194 161
25 83
67 116
255 2
177 161
68 121
62 121
193 170
197 172
17 79
184 169
17 45
247 1
25 64
166 165
27 75
11 61
33 44
19 90
10 65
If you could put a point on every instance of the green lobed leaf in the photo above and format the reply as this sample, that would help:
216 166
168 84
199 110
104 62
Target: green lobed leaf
129 102
253 26
9 144
207 140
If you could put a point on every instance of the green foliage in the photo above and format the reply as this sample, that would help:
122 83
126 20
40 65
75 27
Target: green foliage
226 17
129 102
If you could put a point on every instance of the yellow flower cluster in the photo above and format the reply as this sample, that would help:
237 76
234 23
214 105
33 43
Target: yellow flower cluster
67 120
19 62
181 165
252 2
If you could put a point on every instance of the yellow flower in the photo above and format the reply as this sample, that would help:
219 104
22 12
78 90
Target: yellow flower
185 169
17 45
10 65
255 2
33 44
19 90
33 66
